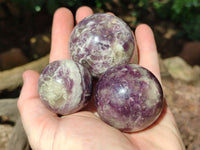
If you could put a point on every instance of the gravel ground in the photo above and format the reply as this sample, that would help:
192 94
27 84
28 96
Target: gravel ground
5 133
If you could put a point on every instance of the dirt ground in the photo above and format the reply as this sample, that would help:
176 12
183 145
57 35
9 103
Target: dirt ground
17 31
5 133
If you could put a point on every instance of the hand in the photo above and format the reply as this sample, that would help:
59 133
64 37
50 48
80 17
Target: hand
84 130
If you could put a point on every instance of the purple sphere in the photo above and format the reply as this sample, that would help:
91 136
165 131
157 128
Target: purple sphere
65 86
129 97
101 41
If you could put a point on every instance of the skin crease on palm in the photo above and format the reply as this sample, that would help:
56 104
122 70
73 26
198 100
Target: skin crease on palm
84 130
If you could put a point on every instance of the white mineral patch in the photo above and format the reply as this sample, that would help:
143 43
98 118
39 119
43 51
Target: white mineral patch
56 96
152 91
118 48
77 88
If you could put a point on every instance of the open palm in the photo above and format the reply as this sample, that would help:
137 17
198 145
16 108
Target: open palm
84 130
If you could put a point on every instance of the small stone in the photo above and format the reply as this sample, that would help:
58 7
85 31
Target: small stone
179 69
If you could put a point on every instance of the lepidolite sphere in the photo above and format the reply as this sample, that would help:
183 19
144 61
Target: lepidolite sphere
101 41
129 97
65 86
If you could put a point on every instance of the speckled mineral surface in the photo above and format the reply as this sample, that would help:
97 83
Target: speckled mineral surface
129 97
101 41
65 86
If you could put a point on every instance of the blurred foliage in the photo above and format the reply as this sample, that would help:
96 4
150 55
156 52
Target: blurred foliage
52 5
184 13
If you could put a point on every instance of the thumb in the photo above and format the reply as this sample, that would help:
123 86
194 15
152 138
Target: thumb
29 102
29 89
34 115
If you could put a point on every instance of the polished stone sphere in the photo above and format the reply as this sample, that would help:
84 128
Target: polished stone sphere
129 97
65 86
101 41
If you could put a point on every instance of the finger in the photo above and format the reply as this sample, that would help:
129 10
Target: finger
30 77
83 12
135 57
62 27
147 49
110 13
